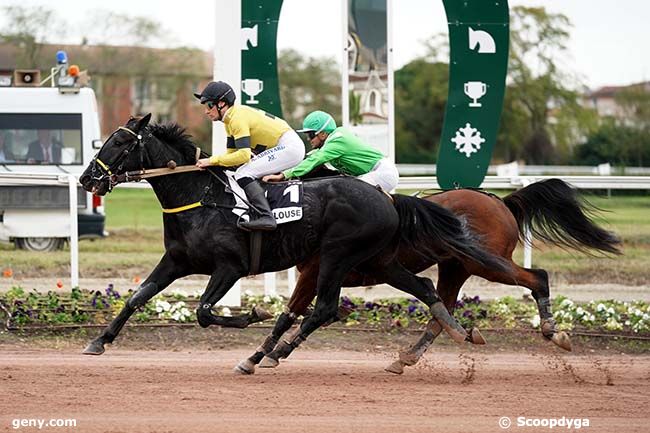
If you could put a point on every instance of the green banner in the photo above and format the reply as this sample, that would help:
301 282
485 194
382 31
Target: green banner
478 64
259 66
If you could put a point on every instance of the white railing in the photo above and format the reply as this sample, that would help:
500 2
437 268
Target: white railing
515 182
424 183
532 170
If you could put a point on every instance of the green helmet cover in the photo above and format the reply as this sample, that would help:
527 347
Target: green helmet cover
318 121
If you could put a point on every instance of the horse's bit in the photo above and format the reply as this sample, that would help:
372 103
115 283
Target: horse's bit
106 170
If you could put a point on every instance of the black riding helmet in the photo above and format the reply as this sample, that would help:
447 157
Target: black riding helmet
216 91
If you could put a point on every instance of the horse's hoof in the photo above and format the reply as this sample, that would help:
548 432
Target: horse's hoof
406 358
245 367
396 367
561 339
268 362
261 314
475 337
94 348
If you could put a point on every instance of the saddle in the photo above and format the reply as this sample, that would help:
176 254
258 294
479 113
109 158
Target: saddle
285 199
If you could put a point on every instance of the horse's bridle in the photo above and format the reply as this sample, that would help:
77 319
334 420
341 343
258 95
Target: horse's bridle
106 171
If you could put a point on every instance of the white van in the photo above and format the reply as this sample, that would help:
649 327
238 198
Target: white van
47 130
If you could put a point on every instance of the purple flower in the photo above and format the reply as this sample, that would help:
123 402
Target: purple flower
468 314
460 304
412 309
347 302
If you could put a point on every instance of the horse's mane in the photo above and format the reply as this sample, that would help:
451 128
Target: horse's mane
177 136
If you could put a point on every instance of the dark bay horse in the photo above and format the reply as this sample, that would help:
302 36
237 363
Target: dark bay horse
346 223
553 210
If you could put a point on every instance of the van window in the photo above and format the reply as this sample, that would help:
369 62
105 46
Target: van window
45 139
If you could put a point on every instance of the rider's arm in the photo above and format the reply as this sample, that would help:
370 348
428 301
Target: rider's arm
232 158
238 152
328 152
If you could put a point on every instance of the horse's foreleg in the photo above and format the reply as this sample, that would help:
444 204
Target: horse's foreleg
415 352
219 284
162 276
257 314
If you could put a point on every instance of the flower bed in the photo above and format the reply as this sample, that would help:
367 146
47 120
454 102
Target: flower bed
80 307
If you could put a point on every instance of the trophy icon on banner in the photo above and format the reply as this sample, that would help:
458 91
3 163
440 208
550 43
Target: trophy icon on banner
475 90
252 87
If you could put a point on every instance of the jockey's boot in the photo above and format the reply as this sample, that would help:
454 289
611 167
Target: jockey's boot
258 221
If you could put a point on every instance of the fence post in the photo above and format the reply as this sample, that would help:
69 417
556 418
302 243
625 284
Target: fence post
74 232
528 235
291 280
269 284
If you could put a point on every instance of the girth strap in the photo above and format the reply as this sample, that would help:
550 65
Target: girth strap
183 208
255 252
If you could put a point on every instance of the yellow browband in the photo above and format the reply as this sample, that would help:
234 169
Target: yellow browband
183 208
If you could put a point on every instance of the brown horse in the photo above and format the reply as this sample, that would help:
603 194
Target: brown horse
551 208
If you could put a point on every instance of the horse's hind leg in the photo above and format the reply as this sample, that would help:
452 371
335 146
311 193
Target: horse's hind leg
301 297
537 281
423 289
330 279
451 277
162 276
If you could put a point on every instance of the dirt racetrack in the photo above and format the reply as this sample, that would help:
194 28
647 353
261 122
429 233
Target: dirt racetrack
451 390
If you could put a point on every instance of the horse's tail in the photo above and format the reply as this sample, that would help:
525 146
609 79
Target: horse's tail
436 232
556 214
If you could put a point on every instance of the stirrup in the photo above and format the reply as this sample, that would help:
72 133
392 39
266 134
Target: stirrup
245 225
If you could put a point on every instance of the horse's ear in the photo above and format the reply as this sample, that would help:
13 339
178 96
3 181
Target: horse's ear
142 123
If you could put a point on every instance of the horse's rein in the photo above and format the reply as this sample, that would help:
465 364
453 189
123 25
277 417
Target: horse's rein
172 168
137 175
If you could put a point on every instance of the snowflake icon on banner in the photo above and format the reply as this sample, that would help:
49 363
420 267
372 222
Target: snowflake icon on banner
468 140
